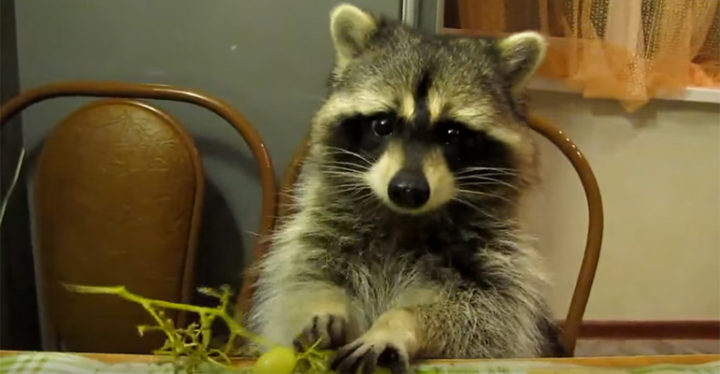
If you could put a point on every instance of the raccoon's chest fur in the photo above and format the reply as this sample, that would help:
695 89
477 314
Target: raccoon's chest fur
385 275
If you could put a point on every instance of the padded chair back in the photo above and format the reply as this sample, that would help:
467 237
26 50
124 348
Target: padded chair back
118 198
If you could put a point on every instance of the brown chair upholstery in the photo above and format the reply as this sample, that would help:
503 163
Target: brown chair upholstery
118 195
593 243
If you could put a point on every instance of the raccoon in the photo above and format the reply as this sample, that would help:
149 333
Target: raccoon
405 243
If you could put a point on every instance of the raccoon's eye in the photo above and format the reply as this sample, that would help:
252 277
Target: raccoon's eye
450 133
383 125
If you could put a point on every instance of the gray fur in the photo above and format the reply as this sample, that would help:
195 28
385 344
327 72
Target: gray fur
468 276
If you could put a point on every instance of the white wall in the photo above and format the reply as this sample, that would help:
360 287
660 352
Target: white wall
659 174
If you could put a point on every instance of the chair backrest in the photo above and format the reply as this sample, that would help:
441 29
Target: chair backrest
118 193
571 326
167 93
122 136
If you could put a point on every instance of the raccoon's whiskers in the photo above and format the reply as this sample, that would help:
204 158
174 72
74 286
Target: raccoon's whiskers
483 194
337 150
353 200
474 207
348 184
479 181
341 168
362 198
475 169
467 203
348 189
344 167
347 164
484 176
350 176
485 172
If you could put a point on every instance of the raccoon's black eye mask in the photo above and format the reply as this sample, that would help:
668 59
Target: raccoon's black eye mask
366 135
462 147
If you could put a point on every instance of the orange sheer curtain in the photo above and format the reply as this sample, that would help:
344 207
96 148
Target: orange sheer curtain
630 50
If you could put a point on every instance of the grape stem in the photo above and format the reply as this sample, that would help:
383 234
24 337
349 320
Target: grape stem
207 314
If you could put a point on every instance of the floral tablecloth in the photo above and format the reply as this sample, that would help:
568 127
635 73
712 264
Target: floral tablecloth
66 363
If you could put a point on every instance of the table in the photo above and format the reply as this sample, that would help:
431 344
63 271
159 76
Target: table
607 362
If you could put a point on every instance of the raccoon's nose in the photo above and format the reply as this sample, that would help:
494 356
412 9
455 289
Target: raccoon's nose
409 189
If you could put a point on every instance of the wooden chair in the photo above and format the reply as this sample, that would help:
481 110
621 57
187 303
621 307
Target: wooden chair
118 200
571 326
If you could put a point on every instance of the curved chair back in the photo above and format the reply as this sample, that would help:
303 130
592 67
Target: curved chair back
118 198
169 93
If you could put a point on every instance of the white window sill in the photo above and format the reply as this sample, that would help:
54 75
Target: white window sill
691 94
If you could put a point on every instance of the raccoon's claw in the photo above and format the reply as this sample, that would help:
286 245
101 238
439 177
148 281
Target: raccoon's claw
368 355
331 330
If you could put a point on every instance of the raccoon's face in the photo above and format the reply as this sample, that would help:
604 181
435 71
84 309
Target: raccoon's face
420 121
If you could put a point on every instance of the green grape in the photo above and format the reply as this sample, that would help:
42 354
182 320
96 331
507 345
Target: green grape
278 360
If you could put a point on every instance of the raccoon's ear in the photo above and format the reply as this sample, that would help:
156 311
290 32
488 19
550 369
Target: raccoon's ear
521 55
351 28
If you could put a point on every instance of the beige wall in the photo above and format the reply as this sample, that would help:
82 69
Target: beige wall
659 174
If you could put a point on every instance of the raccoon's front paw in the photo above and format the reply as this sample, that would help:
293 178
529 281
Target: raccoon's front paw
368 353
332 330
